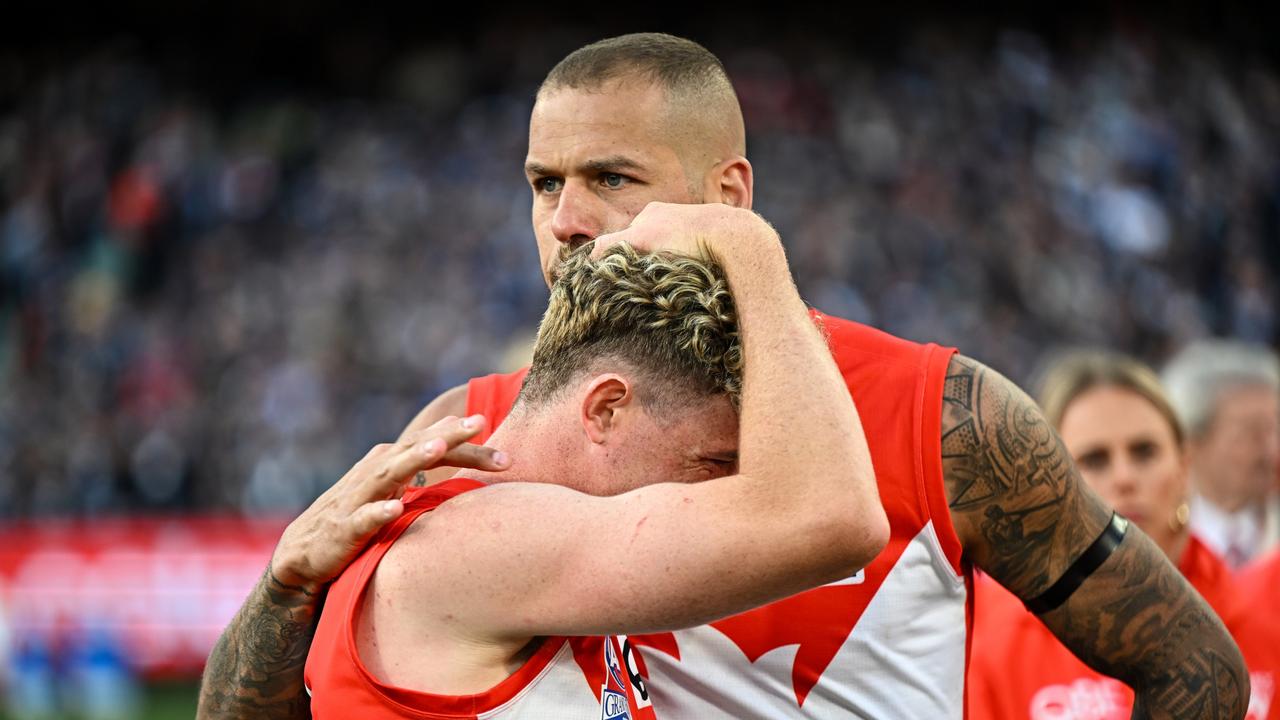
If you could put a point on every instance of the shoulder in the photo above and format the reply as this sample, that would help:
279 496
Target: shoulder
464 512
849 338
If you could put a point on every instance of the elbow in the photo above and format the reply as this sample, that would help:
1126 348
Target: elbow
864 529
871 535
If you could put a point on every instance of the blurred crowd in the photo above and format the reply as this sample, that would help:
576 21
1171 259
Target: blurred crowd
221 303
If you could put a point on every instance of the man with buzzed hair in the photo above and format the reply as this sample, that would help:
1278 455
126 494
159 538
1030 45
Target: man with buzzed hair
969 471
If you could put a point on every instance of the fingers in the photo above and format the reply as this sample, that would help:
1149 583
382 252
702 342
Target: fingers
453 430
477 457
606 241
370 518
420 451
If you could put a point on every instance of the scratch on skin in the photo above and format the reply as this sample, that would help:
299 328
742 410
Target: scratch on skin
636 534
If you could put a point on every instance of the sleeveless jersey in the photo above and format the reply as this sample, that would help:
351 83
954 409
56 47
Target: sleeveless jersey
1005 685
587 678
889 642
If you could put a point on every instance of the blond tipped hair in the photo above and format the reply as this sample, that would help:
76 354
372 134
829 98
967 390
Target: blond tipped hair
667 317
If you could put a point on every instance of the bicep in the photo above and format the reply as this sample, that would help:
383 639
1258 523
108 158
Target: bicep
1025 516
525 559
1017 502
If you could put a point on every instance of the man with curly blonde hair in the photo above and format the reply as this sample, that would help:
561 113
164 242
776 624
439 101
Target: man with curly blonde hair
641 138
467 608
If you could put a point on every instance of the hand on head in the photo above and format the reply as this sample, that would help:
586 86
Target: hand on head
690 230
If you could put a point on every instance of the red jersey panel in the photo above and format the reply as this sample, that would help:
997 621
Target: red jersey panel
889 642
1258 633
1019 670
588 678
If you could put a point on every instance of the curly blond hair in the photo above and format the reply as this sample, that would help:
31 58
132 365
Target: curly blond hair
667 317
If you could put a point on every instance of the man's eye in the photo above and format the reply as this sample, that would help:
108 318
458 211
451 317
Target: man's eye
548 184
613 180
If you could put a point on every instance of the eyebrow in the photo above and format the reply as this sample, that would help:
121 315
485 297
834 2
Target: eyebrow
612 163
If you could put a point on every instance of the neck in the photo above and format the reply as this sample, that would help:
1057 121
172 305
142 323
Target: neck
535 451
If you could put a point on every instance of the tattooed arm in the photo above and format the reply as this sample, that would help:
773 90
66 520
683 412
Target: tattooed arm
1024 516
255 669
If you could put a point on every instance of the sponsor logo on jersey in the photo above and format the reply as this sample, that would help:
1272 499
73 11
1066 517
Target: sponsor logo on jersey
630 660
613 705
611 661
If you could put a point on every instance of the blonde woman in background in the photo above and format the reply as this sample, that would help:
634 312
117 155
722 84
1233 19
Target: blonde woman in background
1127 442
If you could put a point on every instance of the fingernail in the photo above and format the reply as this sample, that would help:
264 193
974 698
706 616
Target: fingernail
501 458
388 508
472 422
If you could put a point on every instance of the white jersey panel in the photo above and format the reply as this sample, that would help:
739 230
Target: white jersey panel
905 658
559 692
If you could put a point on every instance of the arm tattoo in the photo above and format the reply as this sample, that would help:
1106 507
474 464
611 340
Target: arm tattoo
1024 515
1010 480
255 669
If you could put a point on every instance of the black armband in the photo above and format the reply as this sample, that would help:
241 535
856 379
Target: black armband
1082 568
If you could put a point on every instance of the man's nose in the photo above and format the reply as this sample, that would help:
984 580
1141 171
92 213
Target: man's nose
577 219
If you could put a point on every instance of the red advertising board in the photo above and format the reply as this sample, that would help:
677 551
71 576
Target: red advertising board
162 588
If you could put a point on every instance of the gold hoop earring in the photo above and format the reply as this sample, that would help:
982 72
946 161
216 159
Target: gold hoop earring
1181 518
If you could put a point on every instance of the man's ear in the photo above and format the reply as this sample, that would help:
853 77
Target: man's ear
730 182
606 394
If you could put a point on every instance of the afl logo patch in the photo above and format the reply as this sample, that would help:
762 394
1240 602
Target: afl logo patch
613 705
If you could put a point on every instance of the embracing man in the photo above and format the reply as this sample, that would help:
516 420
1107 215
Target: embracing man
643 133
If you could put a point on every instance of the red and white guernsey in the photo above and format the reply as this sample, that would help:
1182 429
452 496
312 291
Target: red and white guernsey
889 642
571 678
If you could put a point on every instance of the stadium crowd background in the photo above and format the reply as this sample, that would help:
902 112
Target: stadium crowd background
219 288
214 302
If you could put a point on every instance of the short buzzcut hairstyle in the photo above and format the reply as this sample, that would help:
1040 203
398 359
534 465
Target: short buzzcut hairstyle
678 64
1197 376
1076 372
669 318
697 87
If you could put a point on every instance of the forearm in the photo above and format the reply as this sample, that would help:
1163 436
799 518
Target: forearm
1025 516
1137 619
793 390
255 669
